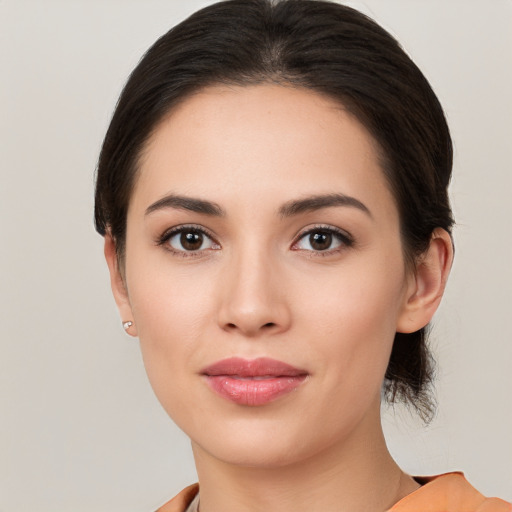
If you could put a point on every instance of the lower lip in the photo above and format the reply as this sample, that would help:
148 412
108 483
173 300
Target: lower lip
253 392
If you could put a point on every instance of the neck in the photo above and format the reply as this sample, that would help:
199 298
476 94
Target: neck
357 474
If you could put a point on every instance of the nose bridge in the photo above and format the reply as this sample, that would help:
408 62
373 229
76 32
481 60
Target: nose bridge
252 299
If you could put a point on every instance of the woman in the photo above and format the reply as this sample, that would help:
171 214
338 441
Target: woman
273 194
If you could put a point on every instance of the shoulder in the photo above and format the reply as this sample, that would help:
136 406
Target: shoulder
181 501
450 492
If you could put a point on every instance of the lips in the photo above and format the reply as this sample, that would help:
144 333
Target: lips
253 382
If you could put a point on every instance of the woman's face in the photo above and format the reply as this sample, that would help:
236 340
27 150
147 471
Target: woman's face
265 273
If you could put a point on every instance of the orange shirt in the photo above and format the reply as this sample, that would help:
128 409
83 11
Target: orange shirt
444 493
448 493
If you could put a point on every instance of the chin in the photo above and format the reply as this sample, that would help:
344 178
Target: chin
266 443
256 453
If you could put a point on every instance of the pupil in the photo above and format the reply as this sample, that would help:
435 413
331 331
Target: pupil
320 241
191 240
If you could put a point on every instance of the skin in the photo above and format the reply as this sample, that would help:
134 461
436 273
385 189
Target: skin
258 288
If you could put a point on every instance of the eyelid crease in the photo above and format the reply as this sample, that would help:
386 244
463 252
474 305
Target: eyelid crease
325 227
169 233
346 240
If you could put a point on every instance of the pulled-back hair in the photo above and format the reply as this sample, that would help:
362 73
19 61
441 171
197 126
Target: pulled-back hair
318 45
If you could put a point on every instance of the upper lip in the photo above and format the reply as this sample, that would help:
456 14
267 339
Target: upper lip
260 367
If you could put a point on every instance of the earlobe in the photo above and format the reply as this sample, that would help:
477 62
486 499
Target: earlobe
118 285
428 283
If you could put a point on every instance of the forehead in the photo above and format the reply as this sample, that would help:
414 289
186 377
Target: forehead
261 138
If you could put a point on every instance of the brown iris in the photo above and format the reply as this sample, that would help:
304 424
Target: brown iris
320 240
191 240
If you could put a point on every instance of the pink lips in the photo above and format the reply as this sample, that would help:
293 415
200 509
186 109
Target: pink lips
254 382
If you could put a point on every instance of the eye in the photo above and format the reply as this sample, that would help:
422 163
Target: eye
188 239
322 239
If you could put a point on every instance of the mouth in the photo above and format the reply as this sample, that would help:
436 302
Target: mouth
253 382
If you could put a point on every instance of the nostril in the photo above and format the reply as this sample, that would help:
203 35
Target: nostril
268 325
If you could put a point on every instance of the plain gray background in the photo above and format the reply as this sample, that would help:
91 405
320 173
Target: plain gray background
79 427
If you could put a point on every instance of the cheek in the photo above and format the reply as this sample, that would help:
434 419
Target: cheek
352 319
171 312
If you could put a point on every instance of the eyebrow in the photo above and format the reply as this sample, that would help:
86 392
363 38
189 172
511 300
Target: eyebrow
288 209
186 203
317 202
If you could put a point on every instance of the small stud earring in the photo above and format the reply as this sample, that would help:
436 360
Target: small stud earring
127 325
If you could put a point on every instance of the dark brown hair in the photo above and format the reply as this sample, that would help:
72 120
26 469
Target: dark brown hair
322 46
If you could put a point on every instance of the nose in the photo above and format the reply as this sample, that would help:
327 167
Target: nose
253 296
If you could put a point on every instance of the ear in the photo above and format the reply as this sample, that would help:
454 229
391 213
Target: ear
426 287
117 283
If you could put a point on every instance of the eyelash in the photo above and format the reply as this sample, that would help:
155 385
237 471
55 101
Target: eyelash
164 239
345 240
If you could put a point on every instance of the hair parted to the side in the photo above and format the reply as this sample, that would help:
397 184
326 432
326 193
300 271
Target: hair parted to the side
322 46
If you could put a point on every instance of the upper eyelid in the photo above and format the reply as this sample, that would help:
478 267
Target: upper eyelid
346 240
168 233
325 227
184 227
